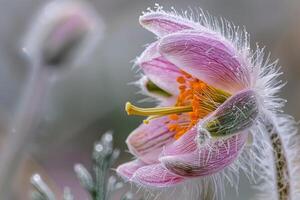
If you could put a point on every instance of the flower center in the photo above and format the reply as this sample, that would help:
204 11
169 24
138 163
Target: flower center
195 101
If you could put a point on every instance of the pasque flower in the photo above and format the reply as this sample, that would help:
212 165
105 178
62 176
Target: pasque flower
214 95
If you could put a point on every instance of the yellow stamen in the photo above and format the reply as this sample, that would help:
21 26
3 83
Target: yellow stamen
162 111
148 119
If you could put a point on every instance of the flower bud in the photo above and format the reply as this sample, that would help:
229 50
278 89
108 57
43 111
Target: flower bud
233 116
64 39
64 32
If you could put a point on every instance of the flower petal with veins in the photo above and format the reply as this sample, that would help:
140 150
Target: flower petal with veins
208 57
127 170
185 144
155 175
207 160
162 24
160 71
148 140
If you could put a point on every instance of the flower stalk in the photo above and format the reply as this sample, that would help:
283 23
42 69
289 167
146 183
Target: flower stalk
281 173
23 127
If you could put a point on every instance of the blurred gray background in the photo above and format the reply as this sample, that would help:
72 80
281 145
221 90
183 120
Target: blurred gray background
89 100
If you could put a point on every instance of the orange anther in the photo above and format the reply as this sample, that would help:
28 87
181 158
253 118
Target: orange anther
172 127
179 134
203 86
186 74
180 79
174 117
182 87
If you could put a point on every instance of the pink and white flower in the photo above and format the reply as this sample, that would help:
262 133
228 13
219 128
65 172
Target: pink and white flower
214 94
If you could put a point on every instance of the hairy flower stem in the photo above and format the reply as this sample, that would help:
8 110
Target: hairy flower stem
282 175
22 127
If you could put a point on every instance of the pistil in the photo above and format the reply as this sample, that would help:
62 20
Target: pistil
160 111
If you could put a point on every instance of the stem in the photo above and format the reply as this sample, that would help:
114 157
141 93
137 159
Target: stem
282 175
22 127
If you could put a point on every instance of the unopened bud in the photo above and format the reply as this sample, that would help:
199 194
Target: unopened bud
66 37
63 33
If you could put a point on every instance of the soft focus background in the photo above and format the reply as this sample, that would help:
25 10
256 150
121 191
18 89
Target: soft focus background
87 101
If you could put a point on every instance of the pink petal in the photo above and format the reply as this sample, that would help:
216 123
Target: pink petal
128 169
148 140
162 24
207 160
208 57
155 176
185 144
159 70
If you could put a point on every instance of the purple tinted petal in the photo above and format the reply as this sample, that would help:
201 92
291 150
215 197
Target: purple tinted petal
128 169
162 23
159 70
148 140
185 144
155 176
207 160
208 57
